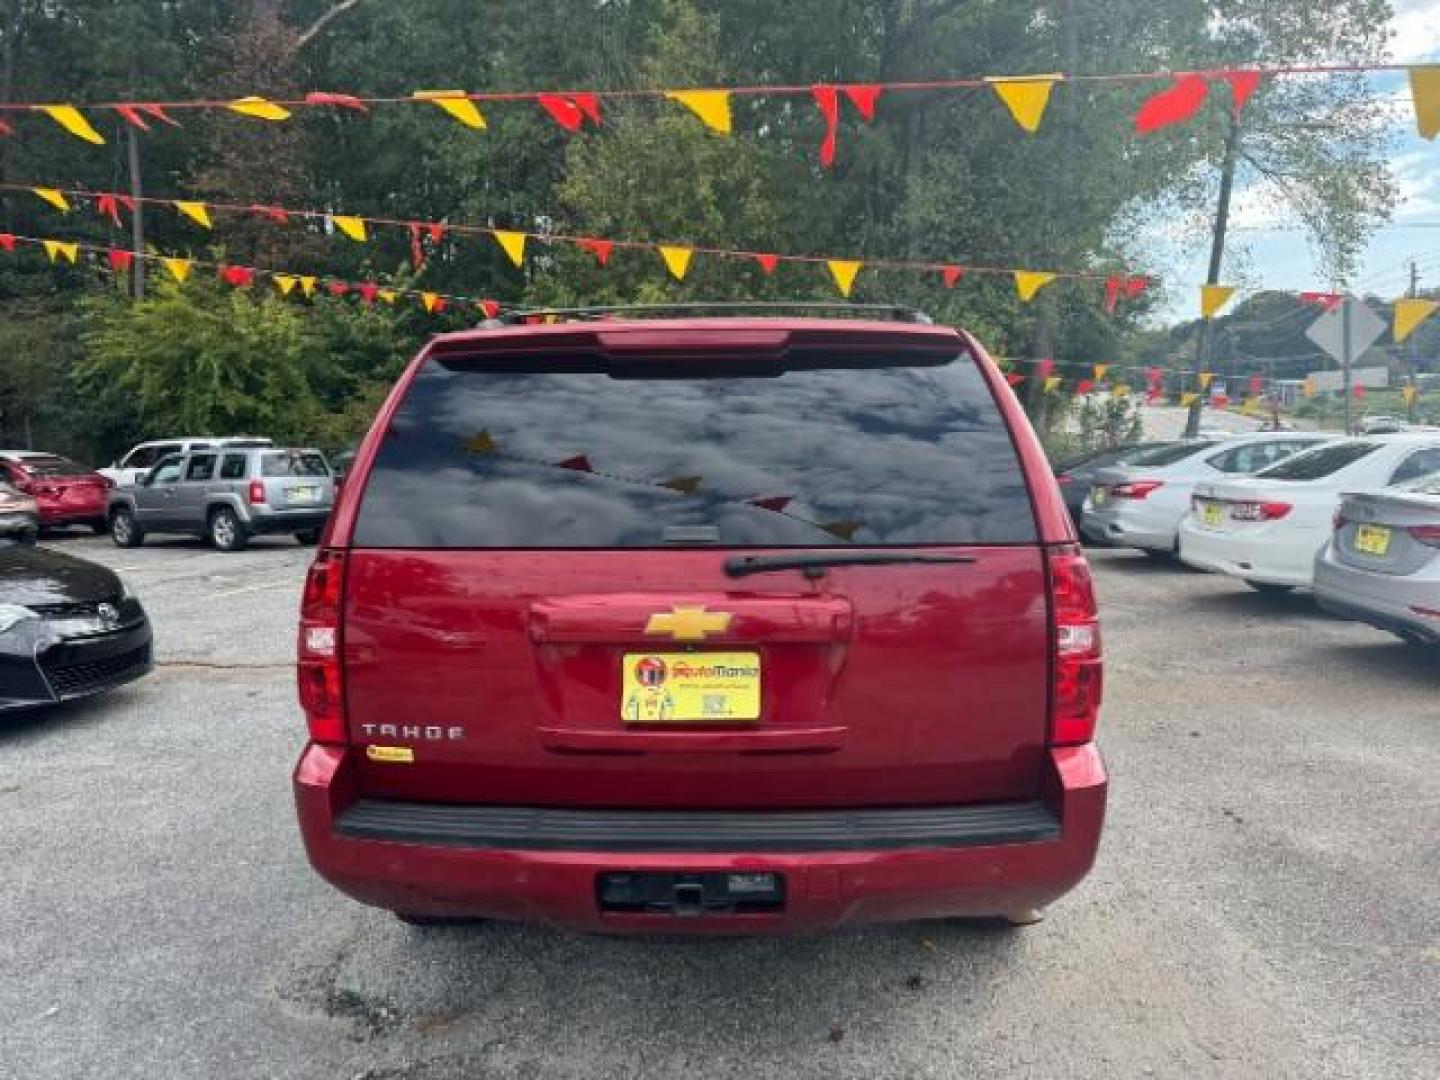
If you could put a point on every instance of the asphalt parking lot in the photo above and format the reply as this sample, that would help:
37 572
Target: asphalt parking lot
1265 903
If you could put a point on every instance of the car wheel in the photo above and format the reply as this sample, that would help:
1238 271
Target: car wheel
125 531
1270 588
309 537
100 526
226 532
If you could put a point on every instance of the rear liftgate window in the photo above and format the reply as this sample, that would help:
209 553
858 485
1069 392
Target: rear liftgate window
823 452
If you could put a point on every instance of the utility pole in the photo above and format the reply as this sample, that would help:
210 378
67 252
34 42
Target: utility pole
1217 256
1411 347
137 216
1346 390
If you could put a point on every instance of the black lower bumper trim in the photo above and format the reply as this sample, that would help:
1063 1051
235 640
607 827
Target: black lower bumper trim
534 829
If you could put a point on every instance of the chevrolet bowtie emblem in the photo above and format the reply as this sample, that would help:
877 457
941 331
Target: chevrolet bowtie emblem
689 623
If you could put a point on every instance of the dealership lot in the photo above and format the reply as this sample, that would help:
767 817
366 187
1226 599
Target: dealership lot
1264 902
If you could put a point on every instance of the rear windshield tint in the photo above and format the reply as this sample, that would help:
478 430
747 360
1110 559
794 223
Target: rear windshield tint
1425 485
579 455
1167 454
290 463
53 466
1319 463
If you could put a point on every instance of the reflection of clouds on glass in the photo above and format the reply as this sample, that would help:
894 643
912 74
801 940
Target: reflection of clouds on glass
918 455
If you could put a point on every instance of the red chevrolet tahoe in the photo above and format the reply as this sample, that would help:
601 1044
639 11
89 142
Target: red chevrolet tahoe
701 625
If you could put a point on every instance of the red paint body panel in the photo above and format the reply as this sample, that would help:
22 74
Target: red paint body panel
63 500
825 889
900 686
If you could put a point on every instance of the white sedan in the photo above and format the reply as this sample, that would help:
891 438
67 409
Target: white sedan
1267 529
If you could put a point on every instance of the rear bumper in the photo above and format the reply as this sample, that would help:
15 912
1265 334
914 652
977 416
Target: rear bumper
839 868
1380 600
284 521
1270 560
1128 526
68 512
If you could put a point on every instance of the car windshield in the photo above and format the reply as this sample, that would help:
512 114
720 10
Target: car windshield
293 463
1319 463
53 465
1168 453
818 453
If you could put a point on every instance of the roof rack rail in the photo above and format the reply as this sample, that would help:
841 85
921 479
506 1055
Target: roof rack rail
896 312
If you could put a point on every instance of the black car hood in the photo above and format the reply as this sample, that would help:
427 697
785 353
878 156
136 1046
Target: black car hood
35 575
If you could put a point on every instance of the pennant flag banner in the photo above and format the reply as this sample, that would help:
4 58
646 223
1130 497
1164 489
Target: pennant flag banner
950 275
285 283
57 250
1100 372
179 268
1411 313
1425 92
457 104
73 121
120 260
54 198
260 109
1030 282
711 106
196 212
1026 98
844 272
353 227
1409 394
1213 298
677 260
1188 399
513 244
1173 106
1206 377
1052 384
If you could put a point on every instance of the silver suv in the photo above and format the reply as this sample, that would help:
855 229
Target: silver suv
227 494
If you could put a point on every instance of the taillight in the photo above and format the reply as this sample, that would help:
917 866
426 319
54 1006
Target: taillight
1429 535
1339 521
1135 489
319 670
257 492
1260 511
1077 672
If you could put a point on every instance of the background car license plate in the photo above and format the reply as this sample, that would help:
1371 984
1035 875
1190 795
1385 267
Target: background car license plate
1099 496
1214 514
1372 539
304 494
688 688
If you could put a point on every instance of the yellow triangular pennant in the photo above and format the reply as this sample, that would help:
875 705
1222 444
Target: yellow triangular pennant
285 283
1250 406
1307 388
1213 298
54 198
1188 399
259 108
1409 394
844 271
1120 390
179 268
1206 377
677 260
353 227
388 295
711 106
1052 384
430 300
1425 92
457 105
73 121
1025 97
1411 313
1030 282
308 283
59 249
513 244
196 212
1100 370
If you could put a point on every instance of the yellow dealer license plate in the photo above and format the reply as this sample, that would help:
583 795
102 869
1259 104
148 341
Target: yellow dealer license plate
1372 539
1214 515
1099 495
690 688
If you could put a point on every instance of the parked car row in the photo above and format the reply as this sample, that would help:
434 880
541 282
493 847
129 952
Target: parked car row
1356 519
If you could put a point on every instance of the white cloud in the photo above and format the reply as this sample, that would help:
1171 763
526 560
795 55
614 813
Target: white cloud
1417 30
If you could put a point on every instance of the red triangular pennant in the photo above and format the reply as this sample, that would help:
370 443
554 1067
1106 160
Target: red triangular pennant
369 291
768 263
950 275
1173 105
562 110
589 104
1358 390
776 503
240 277
864 97
1219 401
491 309
1084 386
5 128
1112 293
1014 378
120 260
578 463
1153 376
344 101
1243 85
1326 300
436 231
1135 285
272 213
1043 368
1256 384
827 99
338 288
108 206
7 241
599 248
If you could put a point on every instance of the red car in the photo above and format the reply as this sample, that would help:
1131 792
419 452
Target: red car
67 492
701 625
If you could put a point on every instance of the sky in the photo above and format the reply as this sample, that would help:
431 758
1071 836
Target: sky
1281 259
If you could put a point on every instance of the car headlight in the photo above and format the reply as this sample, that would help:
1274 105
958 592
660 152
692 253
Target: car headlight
10 614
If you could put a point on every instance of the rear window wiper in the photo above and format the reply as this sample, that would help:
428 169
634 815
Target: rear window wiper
813 563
